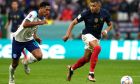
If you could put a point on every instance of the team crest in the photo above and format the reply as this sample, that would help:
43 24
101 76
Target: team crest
14 55
96 20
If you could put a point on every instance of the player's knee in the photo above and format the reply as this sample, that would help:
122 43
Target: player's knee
87 60
39 57
14 65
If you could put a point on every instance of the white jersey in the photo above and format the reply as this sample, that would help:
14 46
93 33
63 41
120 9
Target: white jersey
26 34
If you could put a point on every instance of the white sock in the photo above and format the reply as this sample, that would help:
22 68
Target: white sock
91 72
71 69
32 59
11 70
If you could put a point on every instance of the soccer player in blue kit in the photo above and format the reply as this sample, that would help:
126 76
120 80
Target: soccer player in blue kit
94 18
25 37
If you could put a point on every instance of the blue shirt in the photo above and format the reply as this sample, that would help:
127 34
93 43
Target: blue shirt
94 22
16 17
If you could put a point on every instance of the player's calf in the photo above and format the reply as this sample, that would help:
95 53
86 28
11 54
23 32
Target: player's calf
29 60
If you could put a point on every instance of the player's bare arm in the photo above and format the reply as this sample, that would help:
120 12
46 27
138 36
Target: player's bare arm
7 24
71 26
110 26
28 24
36 37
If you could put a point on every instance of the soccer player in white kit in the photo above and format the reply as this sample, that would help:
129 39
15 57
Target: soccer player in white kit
25 37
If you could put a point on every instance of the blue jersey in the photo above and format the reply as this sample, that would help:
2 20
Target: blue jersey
16 17
94 22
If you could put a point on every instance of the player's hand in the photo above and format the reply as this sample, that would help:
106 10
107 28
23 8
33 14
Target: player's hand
38 40
65 38
104 33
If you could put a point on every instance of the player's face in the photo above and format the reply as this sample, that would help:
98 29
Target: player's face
95 7
14 5
46 11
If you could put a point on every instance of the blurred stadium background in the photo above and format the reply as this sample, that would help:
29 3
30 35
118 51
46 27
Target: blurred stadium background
121 44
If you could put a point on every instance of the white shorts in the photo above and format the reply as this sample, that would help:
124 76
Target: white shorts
88 38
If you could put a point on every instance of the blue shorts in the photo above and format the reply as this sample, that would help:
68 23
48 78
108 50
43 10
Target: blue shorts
17 47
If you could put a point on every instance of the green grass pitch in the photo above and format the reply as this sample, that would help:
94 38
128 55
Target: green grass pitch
54 72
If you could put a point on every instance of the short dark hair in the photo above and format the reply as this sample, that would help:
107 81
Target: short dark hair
15 1
95 1
44 4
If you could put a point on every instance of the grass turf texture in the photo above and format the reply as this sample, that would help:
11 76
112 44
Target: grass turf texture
54 72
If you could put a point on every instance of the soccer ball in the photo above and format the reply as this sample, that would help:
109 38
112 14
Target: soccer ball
126 80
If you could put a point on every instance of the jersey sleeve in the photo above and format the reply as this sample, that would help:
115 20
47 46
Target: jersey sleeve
31 16
81 16
108 17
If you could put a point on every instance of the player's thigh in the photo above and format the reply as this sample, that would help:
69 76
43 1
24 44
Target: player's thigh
34 48
94 43
17 48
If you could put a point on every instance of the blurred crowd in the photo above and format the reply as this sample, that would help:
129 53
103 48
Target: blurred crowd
123 12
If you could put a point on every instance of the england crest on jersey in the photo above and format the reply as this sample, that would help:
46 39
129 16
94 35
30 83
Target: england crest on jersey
96 20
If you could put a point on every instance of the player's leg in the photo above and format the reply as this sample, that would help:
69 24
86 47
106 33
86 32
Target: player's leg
92 44
94 58
16 53
82 60
37 56
79 63
35 50
24 53
37 53
12 69
26 68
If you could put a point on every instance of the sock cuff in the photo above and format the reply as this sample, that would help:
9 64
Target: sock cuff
91 72
71 69
97 46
